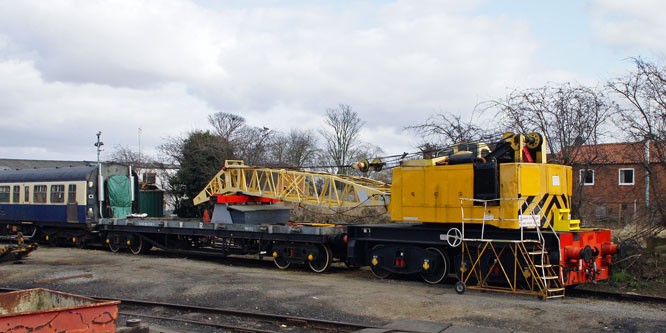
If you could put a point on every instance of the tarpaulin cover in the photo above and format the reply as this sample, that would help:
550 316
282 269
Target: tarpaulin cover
120 196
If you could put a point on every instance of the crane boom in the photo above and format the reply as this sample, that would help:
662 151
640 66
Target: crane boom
306 187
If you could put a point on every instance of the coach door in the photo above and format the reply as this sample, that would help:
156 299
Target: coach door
72 207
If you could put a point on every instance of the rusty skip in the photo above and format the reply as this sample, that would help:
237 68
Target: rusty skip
43 310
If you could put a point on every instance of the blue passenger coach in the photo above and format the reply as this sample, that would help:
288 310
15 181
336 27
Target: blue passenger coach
56 199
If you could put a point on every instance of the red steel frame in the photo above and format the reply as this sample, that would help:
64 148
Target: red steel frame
574 269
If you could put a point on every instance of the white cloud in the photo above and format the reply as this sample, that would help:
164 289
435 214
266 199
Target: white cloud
71 68
54 120
634 25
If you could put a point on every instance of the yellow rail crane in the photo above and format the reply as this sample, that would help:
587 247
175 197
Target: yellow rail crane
501 216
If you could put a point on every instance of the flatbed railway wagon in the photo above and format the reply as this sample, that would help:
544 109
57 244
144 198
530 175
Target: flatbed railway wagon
318 246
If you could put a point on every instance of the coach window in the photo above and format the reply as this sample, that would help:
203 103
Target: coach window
71 193
39 194
16 194
26 195
57 193
626 176
4 193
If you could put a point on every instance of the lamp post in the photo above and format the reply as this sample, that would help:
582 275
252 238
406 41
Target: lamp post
100 179
99 145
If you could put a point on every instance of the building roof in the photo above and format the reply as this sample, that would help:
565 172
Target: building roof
614 153
15 164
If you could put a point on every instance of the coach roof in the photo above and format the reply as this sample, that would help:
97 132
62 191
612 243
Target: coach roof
47 174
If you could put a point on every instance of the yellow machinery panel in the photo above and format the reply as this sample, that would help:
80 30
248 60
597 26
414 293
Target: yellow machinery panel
430 193
413 195
545 185
433 193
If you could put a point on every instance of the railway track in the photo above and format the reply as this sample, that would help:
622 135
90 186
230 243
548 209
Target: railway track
622 297
198 317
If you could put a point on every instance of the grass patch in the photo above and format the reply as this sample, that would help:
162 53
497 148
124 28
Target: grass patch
621 278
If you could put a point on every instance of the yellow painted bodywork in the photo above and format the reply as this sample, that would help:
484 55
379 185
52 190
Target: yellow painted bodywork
304 187
432 193
562 220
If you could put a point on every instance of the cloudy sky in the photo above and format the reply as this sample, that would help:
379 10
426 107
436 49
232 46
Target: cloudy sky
71 68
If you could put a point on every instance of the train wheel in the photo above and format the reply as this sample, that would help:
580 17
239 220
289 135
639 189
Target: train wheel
323 260
139 246
81 244
434 276
114 247
281 263
376 270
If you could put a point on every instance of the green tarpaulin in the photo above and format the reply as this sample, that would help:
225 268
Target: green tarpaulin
120 196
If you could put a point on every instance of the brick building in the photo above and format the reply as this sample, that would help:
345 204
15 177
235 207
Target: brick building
611 181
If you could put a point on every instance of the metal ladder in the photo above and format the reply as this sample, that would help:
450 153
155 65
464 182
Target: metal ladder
545 273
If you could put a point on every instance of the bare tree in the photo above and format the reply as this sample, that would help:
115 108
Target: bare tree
237 140
341 136
302 147
568 115
125 155
252 144
226 125
296 148
445 129
644 119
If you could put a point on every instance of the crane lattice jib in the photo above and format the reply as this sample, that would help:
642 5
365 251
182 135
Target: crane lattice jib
305 187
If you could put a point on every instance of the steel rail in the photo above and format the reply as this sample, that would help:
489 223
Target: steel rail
624 297
195 322
251 314
240 313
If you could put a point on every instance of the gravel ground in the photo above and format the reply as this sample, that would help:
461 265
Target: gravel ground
341 294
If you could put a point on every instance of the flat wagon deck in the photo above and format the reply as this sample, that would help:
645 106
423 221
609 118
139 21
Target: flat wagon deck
318 245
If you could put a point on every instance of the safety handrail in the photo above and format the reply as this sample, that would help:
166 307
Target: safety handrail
537 227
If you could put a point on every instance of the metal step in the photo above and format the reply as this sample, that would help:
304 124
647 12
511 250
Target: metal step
550 277
554 296
543 266
552 290
533 253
